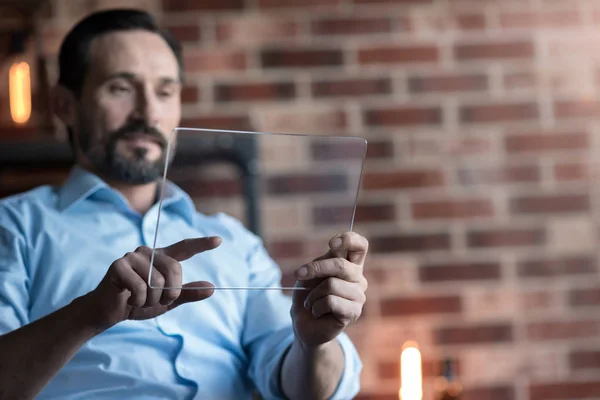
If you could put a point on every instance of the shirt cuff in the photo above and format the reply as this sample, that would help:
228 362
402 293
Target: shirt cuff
349 385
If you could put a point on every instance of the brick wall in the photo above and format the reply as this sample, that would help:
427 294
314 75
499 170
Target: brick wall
483 125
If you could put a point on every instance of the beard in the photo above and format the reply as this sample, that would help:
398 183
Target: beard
135 169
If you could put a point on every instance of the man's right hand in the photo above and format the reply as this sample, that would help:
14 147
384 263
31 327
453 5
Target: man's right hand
124 292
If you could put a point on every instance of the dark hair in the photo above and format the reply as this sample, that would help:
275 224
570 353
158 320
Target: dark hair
73 58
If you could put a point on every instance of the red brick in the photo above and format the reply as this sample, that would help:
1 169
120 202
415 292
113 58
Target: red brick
332 215
215 60
351 25
499 113
557 267
216 121
577 109
536 20
321 119
489 393
205 188
494 51
301 58
185 32
375 212
456 271
389 370
550 330
542 142
382 149
394 54
448 83
534 301
286 249
409 242
499 175
204 5
448 209
585 296
507 237
421 305
520 80
304 4
256 30
327 150
584 359
564 390
365 213
550 204
190 94
301 184
351 87
403 116
570 171
470 22
456 147
227 92
403 179
477 334
395 2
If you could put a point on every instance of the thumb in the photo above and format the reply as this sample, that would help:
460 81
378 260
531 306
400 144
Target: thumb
193 291
188 248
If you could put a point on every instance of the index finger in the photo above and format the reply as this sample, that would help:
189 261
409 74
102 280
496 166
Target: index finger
188 248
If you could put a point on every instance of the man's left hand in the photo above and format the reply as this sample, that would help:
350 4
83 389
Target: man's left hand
337 291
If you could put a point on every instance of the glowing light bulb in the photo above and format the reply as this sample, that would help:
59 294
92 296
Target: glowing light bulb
19 82
411 376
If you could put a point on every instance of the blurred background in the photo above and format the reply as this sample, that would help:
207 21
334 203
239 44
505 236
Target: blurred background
478 194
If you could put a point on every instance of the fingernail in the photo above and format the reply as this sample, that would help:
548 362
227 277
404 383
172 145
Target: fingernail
335 243
302 272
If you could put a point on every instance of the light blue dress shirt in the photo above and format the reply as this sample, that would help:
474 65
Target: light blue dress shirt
57 243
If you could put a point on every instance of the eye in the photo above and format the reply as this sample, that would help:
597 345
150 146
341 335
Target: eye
166 93
119 88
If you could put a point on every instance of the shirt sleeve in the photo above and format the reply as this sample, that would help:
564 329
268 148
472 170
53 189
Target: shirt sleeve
268 332
14 295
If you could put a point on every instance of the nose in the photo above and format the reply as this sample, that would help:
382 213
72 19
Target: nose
146 107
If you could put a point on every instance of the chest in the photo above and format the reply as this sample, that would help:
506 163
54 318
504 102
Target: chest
72 253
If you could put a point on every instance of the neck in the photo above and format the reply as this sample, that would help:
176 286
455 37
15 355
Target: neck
140 197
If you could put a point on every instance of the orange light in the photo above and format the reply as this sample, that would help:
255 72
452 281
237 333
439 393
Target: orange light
19 83
411 376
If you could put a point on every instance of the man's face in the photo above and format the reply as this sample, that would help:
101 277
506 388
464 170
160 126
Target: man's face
130 103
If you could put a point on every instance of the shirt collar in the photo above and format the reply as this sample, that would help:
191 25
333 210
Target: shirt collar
178 201
81 185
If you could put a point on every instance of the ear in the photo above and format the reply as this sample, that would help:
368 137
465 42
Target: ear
64 104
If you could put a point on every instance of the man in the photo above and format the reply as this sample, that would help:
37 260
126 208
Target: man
75 323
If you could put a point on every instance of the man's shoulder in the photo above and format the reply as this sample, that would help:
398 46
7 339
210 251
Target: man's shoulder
45 194
26 204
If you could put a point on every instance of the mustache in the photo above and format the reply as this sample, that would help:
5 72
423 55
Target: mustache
139 127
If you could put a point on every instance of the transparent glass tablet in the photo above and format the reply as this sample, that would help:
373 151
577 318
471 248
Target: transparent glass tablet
274 198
